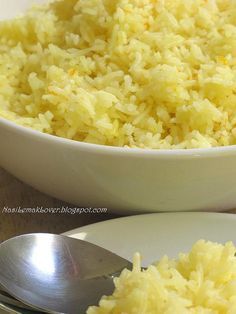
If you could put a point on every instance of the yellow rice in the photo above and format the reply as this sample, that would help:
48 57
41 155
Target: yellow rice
137 73
201 282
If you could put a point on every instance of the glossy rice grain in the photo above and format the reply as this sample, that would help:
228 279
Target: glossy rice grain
200 282
155 74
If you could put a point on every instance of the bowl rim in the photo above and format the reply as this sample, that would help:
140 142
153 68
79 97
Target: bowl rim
115 150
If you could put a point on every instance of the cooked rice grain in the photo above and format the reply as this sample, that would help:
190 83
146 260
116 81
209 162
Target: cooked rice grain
201 282
138 73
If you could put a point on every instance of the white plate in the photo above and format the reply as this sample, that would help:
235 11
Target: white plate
155 235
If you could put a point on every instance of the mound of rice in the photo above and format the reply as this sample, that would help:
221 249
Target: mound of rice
136 73
201 282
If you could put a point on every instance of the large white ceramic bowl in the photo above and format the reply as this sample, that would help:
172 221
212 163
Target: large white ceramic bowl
118 178
121 179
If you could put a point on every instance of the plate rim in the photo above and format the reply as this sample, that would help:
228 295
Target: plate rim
75 231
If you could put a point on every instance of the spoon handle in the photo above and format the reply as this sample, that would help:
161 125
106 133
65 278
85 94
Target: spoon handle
7 299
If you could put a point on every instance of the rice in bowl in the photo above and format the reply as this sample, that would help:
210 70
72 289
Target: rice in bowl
155 74
201 282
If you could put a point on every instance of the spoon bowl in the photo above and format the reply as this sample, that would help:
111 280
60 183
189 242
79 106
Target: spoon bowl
57 274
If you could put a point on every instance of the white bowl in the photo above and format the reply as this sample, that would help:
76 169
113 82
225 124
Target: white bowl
120 179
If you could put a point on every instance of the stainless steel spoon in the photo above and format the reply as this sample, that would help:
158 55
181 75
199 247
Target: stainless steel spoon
57 274
7 299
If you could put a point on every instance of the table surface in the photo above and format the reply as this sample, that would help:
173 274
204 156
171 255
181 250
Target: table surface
14 193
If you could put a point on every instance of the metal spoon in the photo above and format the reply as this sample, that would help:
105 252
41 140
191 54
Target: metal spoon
9 300
57 274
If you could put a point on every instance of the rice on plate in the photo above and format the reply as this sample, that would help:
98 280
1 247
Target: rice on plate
155 74
201 282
